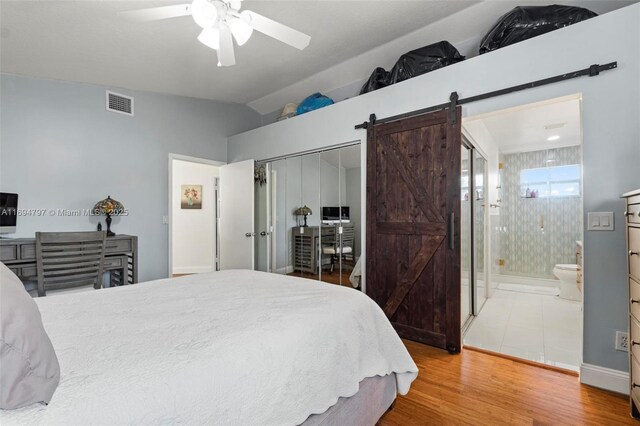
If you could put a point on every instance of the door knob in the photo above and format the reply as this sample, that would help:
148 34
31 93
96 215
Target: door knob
633 253
632 301
249 234
263 234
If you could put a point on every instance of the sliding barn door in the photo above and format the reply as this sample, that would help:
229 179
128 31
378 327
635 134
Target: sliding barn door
413 209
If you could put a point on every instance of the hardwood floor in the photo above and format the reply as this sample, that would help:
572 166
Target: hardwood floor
482 389
333 278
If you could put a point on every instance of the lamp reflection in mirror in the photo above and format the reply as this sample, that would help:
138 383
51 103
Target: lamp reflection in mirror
303 211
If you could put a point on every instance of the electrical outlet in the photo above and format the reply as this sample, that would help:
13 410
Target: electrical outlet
622 341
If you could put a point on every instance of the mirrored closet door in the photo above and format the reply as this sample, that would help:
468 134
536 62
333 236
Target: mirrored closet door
310 213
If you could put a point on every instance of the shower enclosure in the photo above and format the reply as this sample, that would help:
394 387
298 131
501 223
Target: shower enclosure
473 181
540 218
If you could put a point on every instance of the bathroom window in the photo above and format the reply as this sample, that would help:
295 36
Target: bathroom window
550 182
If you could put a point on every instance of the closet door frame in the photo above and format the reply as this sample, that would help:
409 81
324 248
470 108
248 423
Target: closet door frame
363 165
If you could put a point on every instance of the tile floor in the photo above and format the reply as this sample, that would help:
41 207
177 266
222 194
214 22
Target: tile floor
540 328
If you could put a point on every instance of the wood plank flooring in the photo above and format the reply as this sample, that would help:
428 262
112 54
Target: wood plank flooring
333 278
474 388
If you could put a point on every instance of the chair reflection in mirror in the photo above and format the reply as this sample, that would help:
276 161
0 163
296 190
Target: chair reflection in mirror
338 246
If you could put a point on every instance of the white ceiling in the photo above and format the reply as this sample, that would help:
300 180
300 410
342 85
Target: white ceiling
526 128
88 41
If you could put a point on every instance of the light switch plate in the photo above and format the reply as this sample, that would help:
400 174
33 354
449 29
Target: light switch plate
600 221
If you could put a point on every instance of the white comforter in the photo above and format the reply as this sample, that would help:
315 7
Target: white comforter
226 348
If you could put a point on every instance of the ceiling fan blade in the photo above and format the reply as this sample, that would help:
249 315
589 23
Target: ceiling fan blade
226 55
277 30
210 37
158 13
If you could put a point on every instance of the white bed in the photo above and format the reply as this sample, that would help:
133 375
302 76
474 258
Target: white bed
231 348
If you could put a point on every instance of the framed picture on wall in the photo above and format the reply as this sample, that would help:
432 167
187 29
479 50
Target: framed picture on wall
191 197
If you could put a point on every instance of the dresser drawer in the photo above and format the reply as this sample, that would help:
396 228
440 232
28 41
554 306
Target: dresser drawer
633 213
116 262
8 253
634 199
27 251
119 245
634 335
634 295
29 272
634 252
635 377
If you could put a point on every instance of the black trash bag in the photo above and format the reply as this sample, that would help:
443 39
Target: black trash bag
424 60
525 22
379 78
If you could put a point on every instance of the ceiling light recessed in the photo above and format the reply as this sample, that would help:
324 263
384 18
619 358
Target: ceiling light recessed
553 138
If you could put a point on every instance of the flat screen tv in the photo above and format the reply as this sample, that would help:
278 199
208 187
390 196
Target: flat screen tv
8 212
332 214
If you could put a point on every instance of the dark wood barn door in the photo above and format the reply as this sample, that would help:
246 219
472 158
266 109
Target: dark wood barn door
413 210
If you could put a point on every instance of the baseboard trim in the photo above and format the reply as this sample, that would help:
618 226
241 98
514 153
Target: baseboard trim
523 361
192 270
605 378
285 271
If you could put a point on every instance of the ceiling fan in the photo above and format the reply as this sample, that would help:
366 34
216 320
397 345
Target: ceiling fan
221 22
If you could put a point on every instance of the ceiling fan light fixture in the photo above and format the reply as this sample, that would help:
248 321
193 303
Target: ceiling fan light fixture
204 12
210 37
240 29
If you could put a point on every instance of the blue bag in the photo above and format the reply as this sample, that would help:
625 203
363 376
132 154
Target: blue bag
313 102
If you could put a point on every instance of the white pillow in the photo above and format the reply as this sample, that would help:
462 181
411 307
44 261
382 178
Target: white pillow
29 369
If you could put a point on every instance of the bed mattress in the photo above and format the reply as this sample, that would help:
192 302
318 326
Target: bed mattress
232 347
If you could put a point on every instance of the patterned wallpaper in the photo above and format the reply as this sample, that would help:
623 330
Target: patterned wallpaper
535 234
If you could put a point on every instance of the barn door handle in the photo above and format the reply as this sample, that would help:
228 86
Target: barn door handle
452 227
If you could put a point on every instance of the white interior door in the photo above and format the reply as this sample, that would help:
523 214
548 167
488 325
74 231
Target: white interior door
237 216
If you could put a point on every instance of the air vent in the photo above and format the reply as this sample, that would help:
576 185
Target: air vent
119 103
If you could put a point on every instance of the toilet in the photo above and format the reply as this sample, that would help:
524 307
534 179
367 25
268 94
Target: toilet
568 276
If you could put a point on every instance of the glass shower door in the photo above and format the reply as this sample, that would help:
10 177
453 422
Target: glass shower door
466 255
479 214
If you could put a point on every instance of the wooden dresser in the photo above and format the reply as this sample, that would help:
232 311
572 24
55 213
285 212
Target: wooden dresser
632 214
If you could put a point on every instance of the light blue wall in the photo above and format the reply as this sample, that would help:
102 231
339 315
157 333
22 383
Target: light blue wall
60 149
